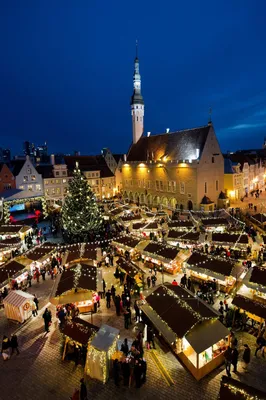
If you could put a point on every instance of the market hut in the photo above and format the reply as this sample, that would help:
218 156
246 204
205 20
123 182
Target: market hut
181 225
145 228
188 239
189 326
230 239
204 268
77 333
7 231
134 272
77 285
18 305
39 256
100 350
167 257
254 284
128 243
8 247
128 219
214 224
77 253
254 309
12 271
231 389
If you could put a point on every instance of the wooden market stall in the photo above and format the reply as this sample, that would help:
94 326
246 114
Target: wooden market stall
189 326
100 351
39 255
183 238
77 333
76 253
128 219
231 389
129 243
13 271
230 239
18 305
77 286
164 256
181 225
9 247
8 231
254 284
215 224
134 272
203 268
145 228
253 309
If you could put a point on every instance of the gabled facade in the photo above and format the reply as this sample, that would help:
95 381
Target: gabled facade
55 182
233 180
7 179
27 178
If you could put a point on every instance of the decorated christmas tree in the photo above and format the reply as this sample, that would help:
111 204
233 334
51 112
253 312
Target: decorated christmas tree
80 213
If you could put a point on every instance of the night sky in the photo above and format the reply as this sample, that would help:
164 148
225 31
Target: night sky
66 71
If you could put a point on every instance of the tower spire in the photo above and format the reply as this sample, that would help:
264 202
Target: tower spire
137 102
210 116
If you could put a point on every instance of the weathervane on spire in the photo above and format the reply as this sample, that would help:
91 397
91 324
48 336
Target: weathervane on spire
136 48
210 115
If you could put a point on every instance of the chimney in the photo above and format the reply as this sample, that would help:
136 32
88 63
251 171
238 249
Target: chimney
167 130
148 134
52 160
125 157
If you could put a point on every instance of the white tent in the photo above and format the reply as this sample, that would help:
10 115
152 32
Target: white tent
100 351
18 305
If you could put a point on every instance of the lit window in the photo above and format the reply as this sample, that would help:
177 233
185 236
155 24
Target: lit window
38 188
64 180
25 178
161 186
30 187
182 187
33 177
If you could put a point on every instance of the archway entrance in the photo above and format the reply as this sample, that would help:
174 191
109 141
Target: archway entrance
189 205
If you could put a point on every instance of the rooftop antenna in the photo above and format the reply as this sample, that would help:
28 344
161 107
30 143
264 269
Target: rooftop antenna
210 115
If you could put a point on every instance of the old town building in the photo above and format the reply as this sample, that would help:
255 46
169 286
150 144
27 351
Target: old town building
7 179
27 177
180 169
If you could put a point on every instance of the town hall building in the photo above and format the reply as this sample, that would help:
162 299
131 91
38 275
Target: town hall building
180 169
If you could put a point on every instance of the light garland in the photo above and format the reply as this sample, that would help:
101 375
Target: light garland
236 391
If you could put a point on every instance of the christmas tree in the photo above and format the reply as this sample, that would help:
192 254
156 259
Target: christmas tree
80 213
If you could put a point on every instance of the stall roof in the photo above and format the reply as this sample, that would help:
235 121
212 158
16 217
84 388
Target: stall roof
261 218
218 266
146 226
39 252
214 221
130 268
205 334
180 224
173 309
258 275
251 306
17 297
84 275
79 330
11 241
230 238
5 229
193 236
232 389
10 270
90 251
128 241
128 218
104 338
158 249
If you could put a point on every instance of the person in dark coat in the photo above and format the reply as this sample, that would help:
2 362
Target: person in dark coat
108 299
138 373
124 347
246 356
228 360
83 390
183 281
150 336
137 313
126 372
144 370
149 282
6 347
261 342
47 316
234 357
36 301
116 372
14 344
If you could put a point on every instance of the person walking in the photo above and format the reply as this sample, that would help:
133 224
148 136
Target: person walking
137 313
116 370
153 280
261 342
6 348
14 344
234 356
34 309
124 347
83 390
108 299
246 357
36 301
149 282
150 337
228 361
47 316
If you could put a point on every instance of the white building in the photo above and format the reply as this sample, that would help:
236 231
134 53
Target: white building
27 178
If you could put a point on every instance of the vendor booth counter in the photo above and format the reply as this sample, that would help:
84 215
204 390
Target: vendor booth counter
18 305
163 256
190 327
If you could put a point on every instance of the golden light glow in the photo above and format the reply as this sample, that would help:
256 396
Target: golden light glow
182 165
232 193
126 165
142 165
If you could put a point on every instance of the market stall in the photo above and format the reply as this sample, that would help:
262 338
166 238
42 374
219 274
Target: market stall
253 309
13 271
203 268
164 256
77 285
189 326
130 218
128 243
135 273
18 305
9 248
254 284
145 228
100 351
188 239
77 333
214 224
181 225
76 253
231 389
230 239
8 231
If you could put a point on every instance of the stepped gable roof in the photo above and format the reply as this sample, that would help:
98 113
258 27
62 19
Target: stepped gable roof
70 278
251 306
179 145
46 171
172 311
202 261
258 275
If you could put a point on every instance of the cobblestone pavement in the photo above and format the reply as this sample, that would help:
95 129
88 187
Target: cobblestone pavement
39 373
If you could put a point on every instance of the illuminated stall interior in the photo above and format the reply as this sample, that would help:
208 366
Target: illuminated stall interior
203 268
183 239
254 284
128 243
255 310
189 326
131 269
12 271
77 285
215 224
40 255
9 231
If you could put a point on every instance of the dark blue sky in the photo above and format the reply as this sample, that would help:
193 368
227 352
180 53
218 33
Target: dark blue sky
66 70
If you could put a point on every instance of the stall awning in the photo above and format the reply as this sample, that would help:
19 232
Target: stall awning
72 297
205 334
130 268
104 338
250 306
79 330
17 297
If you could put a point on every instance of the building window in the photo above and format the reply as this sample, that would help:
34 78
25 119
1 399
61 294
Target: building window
58 191
57 181
157 185
137 119
52 181
92 175
97 182
213 160
169 186
53 190
25 178
46 182
28 170
30 187
47 191
38 188
64 180
161 186
182 187
217 185
33 177
205 188
173 186
7 186
57 173
65 190
139 183
64 173
21 187
148 184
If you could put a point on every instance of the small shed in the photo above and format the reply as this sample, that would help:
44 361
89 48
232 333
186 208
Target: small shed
18 305
100 351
